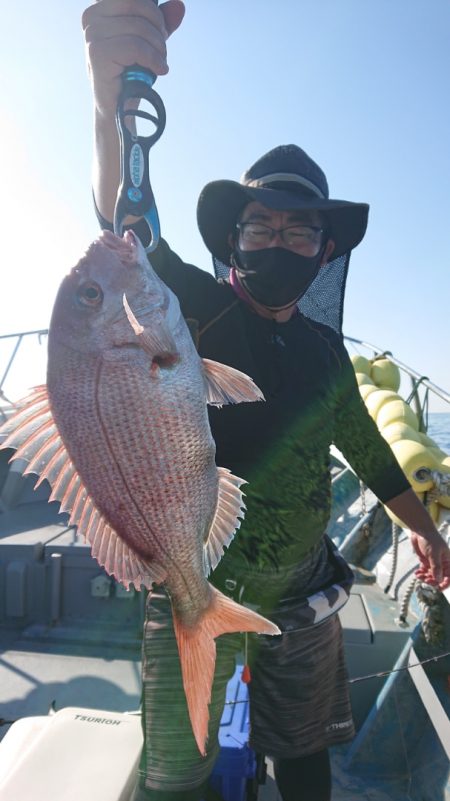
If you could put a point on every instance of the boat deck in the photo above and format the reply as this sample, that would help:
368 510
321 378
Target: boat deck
70 636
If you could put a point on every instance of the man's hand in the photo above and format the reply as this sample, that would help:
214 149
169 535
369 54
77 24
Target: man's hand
120 33
434 556
428 544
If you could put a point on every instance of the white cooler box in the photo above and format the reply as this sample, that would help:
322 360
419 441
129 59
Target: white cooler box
74 755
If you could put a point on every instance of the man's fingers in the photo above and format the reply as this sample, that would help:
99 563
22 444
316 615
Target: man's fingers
166 18
422 557
122 8
118 28
109 58
173 12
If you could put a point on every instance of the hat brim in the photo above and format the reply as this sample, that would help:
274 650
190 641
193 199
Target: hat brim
221 202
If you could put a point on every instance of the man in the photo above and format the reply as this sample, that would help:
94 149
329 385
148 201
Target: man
281 247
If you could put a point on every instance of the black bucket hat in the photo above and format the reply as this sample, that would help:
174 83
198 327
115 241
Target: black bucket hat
283 179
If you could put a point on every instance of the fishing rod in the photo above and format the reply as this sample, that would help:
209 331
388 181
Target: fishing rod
135 195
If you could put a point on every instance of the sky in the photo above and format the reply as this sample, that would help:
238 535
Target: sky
361 85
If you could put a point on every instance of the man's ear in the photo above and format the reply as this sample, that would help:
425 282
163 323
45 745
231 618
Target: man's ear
329 248
231 239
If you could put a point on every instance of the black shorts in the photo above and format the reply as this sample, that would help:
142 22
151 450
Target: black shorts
299 699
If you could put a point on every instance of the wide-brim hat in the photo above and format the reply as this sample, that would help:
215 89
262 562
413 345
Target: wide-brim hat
285 178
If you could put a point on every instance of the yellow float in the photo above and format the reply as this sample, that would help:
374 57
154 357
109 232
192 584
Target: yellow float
361 364
427 441
397 411
412 456
444 500
363 378
397 430
385 374
376 400
366 389
378 382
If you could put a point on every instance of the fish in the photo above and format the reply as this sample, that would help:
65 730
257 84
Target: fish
121 433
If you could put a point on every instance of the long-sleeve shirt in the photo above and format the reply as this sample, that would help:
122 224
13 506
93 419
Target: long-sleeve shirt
281 446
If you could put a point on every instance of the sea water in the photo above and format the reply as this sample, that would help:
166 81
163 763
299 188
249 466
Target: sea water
439 429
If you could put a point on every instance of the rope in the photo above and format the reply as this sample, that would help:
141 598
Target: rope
431 601
395 538
406 599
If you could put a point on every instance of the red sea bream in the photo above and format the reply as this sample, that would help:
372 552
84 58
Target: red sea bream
121 433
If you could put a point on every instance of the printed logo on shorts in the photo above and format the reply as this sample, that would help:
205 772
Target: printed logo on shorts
345 724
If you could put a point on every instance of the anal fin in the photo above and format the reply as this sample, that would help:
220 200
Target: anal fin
119 560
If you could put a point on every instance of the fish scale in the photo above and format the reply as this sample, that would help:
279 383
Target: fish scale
169 465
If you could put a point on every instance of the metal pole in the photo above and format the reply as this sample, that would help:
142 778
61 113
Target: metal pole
55 587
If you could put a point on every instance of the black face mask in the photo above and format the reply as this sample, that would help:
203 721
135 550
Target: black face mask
275 277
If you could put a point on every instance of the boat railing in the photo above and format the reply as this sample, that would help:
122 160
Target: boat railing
17 339
416 377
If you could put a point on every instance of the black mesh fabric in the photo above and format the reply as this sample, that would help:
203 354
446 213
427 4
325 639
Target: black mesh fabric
323 302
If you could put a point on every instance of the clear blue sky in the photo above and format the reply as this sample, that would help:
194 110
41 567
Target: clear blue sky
362 85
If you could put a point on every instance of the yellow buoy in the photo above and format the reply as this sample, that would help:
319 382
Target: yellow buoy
367 389
397 430
438 453
413 456
444 467
363 378
385 374
360 364
377 399
427 441
435 509
397 411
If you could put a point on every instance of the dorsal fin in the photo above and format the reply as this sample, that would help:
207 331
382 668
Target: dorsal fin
225 384
33 432
227 519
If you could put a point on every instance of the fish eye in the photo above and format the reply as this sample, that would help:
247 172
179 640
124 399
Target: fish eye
90 294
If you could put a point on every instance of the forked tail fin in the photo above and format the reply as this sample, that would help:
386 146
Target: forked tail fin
197 651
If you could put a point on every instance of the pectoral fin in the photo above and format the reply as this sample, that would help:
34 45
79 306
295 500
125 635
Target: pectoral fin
225 384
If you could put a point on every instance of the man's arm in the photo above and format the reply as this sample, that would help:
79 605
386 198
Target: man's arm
118 34
357 436
429 546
